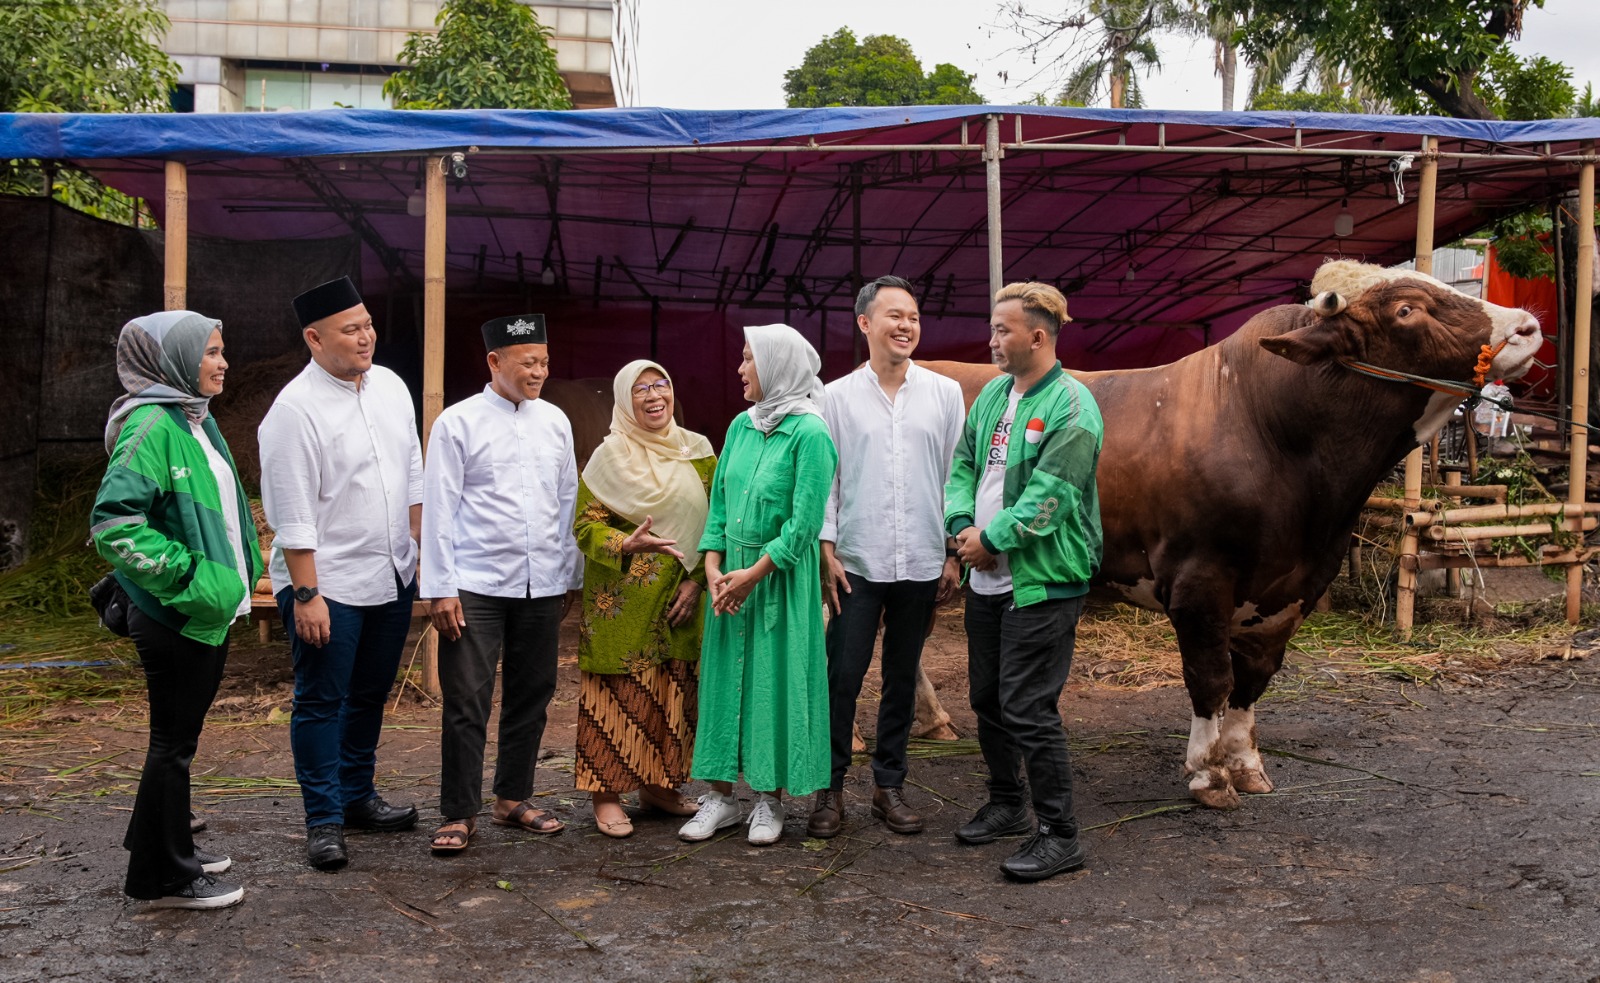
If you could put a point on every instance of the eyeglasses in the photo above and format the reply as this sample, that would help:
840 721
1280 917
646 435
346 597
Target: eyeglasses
660 387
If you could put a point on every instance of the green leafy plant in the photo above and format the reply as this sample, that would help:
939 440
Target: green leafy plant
91 56
879 70
487 54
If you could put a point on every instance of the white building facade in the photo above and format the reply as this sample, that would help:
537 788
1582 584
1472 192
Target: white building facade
276 55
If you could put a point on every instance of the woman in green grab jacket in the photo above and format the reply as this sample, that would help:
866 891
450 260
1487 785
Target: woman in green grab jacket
172 519
763 666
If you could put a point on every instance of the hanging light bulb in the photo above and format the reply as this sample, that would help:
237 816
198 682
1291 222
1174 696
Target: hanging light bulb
415 206
548 277
1344 223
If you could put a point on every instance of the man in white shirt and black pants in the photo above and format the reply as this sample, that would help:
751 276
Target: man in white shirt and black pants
341 483
896 425
499 565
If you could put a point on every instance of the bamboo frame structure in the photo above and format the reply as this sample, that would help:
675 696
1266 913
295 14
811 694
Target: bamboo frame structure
1405 603
175 261
1579 460
433 271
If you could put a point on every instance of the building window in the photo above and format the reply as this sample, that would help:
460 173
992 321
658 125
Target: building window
277 89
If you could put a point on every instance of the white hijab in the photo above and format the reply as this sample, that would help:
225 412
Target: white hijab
786 367
637 472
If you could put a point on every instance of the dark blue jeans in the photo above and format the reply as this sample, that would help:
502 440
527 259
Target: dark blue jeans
339 692
1017 664
904 607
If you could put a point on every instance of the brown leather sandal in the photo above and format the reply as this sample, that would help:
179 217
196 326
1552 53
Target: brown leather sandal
531 818
453 836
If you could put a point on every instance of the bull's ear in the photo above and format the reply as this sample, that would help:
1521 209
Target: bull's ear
1328 303
1307 345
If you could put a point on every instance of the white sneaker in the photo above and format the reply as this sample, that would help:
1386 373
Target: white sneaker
717 811
766 820
212 864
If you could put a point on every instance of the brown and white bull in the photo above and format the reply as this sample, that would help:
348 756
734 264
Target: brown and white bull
1230 480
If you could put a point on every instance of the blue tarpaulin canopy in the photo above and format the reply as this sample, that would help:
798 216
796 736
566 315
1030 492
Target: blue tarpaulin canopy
1165 229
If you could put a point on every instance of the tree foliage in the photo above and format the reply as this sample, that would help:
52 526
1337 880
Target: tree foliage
1417 54
487 54
88 56
1303 101
1096 47
879 70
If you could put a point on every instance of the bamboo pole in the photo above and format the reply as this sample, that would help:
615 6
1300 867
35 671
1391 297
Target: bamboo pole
175 289
1467 561
991 157
1474 534
1405 602
1485 513
433 263
1579 460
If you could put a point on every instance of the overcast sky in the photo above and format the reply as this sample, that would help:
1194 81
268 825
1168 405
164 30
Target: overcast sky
731 54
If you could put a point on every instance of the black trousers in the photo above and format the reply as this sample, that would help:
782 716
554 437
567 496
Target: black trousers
520 634
904 607
1017 664
182 676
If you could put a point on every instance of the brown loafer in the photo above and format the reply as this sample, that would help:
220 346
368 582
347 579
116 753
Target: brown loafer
827 814
889 805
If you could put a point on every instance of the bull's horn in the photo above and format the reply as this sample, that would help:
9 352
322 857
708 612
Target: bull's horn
1328 303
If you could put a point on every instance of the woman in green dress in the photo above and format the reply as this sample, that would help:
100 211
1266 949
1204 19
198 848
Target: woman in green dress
763 667
642 492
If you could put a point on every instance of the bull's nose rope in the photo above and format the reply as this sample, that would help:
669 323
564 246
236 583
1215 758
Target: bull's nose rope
1462 389
1486 359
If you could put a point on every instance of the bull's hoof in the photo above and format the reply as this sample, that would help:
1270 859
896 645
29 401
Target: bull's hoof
939 732
1213 790
857 745
1253 781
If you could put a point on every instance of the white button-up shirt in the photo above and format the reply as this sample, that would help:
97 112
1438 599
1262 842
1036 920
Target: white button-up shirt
499 491
341 466
885 515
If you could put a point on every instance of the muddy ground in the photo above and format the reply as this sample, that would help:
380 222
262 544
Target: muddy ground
1443 832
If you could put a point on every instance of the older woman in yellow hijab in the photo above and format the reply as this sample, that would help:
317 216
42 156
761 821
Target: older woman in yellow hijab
640 514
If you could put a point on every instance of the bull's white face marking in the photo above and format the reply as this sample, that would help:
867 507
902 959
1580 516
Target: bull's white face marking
1204 735
1158 404
1516 328
1225 370
1142 594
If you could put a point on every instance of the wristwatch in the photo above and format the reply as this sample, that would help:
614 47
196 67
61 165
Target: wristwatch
304 594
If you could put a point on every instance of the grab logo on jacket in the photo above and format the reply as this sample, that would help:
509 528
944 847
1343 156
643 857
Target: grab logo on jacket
128 551
178 474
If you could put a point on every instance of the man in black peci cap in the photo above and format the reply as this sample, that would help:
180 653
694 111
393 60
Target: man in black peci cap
341 484
499 565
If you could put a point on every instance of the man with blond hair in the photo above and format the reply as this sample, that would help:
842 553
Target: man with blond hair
1026 519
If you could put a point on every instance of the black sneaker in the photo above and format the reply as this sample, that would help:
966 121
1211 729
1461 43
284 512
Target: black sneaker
203 892
1044 855
994 821
212 864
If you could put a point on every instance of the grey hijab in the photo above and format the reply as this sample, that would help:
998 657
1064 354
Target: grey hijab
158 361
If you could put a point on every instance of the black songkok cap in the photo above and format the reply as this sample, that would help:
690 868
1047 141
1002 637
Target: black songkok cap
326 300
519 329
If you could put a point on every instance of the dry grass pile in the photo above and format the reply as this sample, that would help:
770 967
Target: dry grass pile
245 401
45 616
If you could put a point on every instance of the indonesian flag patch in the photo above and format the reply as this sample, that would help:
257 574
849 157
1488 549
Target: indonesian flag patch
1035 431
